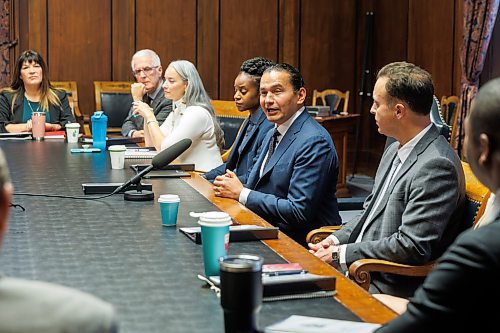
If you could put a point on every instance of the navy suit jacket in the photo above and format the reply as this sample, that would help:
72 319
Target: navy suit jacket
245 149
297 189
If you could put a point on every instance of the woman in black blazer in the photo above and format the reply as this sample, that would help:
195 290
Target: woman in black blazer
31 91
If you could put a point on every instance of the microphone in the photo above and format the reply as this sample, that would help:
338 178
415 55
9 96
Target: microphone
161 160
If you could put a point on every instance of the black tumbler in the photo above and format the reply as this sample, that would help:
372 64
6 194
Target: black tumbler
241 292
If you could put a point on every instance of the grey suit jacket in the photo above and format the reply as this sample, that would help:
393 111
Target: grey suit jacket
34 306
161 105
419 216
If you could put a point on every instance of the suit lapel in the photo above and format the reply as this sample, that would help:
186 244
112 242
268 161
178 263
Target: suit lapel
429 137
246 138
285 142
253 178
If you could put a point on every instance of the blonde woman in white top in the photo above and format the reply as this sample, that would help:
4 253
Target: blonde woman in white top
192 117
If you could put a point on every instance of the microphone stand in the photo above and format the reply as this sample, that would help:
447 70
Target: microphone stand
138 194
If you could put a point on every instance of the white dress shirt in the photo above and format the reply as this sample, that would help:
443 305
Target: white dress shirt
197 124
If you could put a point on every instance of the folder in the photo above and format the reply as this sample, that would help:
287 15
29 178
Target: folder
237 233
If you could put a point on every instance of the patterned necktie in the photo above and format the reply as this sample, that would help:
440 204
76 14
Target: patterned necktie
358 231
147 99
272 145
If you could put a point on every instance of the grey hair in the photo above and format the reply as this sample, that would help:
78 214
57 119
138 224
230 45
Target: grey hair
155 59
196 94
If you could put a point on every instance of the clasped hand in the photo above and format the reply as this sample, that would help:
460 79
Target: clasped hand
323 250
228 186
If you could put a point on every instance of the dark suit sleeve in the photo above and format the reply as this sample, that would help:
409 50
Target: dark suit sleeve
311 166
64 114
128 124
5 113
220 170
453 295
163 110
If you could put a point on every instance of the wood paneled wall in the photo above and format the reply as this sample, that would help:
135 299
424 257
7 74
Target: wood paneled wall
88 40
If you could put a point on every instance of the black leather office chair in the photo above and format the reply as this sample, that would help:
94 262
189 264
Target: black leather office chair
230 120
114 99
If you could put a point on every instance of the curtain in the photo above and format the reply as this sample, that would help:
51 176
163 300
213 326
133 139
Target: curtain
479 20
4 38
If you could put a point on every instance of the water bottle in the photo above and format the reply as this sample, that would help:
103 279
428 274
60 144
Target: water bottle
99 128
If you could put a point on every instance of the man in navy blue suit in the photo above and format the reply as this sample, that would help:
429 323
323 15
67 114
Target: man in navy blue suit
292 185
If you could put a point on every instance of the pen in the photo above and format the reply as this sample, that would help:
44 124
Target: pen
280 273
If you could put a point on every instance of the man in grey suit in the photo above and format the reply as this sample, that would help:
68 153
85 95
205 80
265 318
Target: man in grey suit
414 211
34 306
146 67
453 296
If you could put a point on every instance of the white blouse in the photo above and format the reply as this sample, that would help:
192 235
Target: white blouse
195 123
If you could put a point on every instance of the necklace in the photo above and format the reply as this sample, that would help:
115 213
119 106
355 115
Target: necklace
31 108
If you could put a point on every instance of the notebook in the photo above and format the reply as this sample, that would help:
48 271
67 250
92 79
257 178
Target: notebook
140 153
237 233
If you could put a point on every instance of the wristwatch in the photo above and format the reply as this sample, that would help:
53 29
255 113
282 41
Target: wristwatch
335 258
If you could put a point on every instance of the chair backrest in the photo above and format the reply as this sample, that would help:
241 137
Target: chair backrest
450 106
71 89
230 120
114 99
436 118
476 197
333 98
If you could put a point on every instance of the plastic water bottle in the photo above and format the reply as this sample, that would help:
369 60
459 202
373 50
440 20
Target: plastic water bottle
99 128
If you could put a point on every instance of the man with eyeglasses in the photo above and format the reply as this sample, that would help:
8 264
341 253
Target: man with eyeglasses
147 70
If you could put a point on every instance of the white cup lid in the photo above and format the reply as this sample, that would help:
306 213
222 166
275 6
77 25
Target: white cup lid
215 219
117 148
169 198
73 125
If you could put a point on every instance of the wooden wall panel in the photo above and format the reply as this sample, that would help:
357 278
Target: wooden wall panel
79 45
327 45
168 27
289 32
247 29
389 44
88 40
122 38
208 46
428 49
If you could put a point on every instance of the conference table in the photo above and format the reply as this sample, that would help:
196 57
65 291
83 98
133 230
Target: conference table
118 250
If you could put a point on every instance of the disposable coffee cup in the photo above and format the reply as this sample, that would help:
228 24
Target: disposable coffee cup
169 207
117 155
214 239
38 125
241 292
72 131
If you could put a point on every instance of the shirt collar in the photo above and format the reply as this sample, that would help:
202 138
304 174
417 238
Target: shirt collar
405 150
157 91
283 128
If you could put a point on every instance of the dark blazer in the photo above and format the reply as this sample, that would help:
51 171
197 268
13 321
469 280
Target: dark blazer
161 105
245 148
453 297
58 114
297 189
419 216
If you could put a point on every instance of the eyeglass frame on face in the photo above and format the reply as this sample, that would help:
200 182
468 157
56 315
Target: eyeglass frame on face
146 70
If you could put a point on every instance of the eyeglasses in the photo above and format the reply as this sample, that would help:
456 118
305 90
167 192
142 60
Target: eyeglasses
145 70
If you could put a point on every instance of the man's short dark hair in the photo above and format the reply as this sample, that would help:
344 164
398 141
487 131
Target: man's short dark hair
295 77
410 84
485 113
